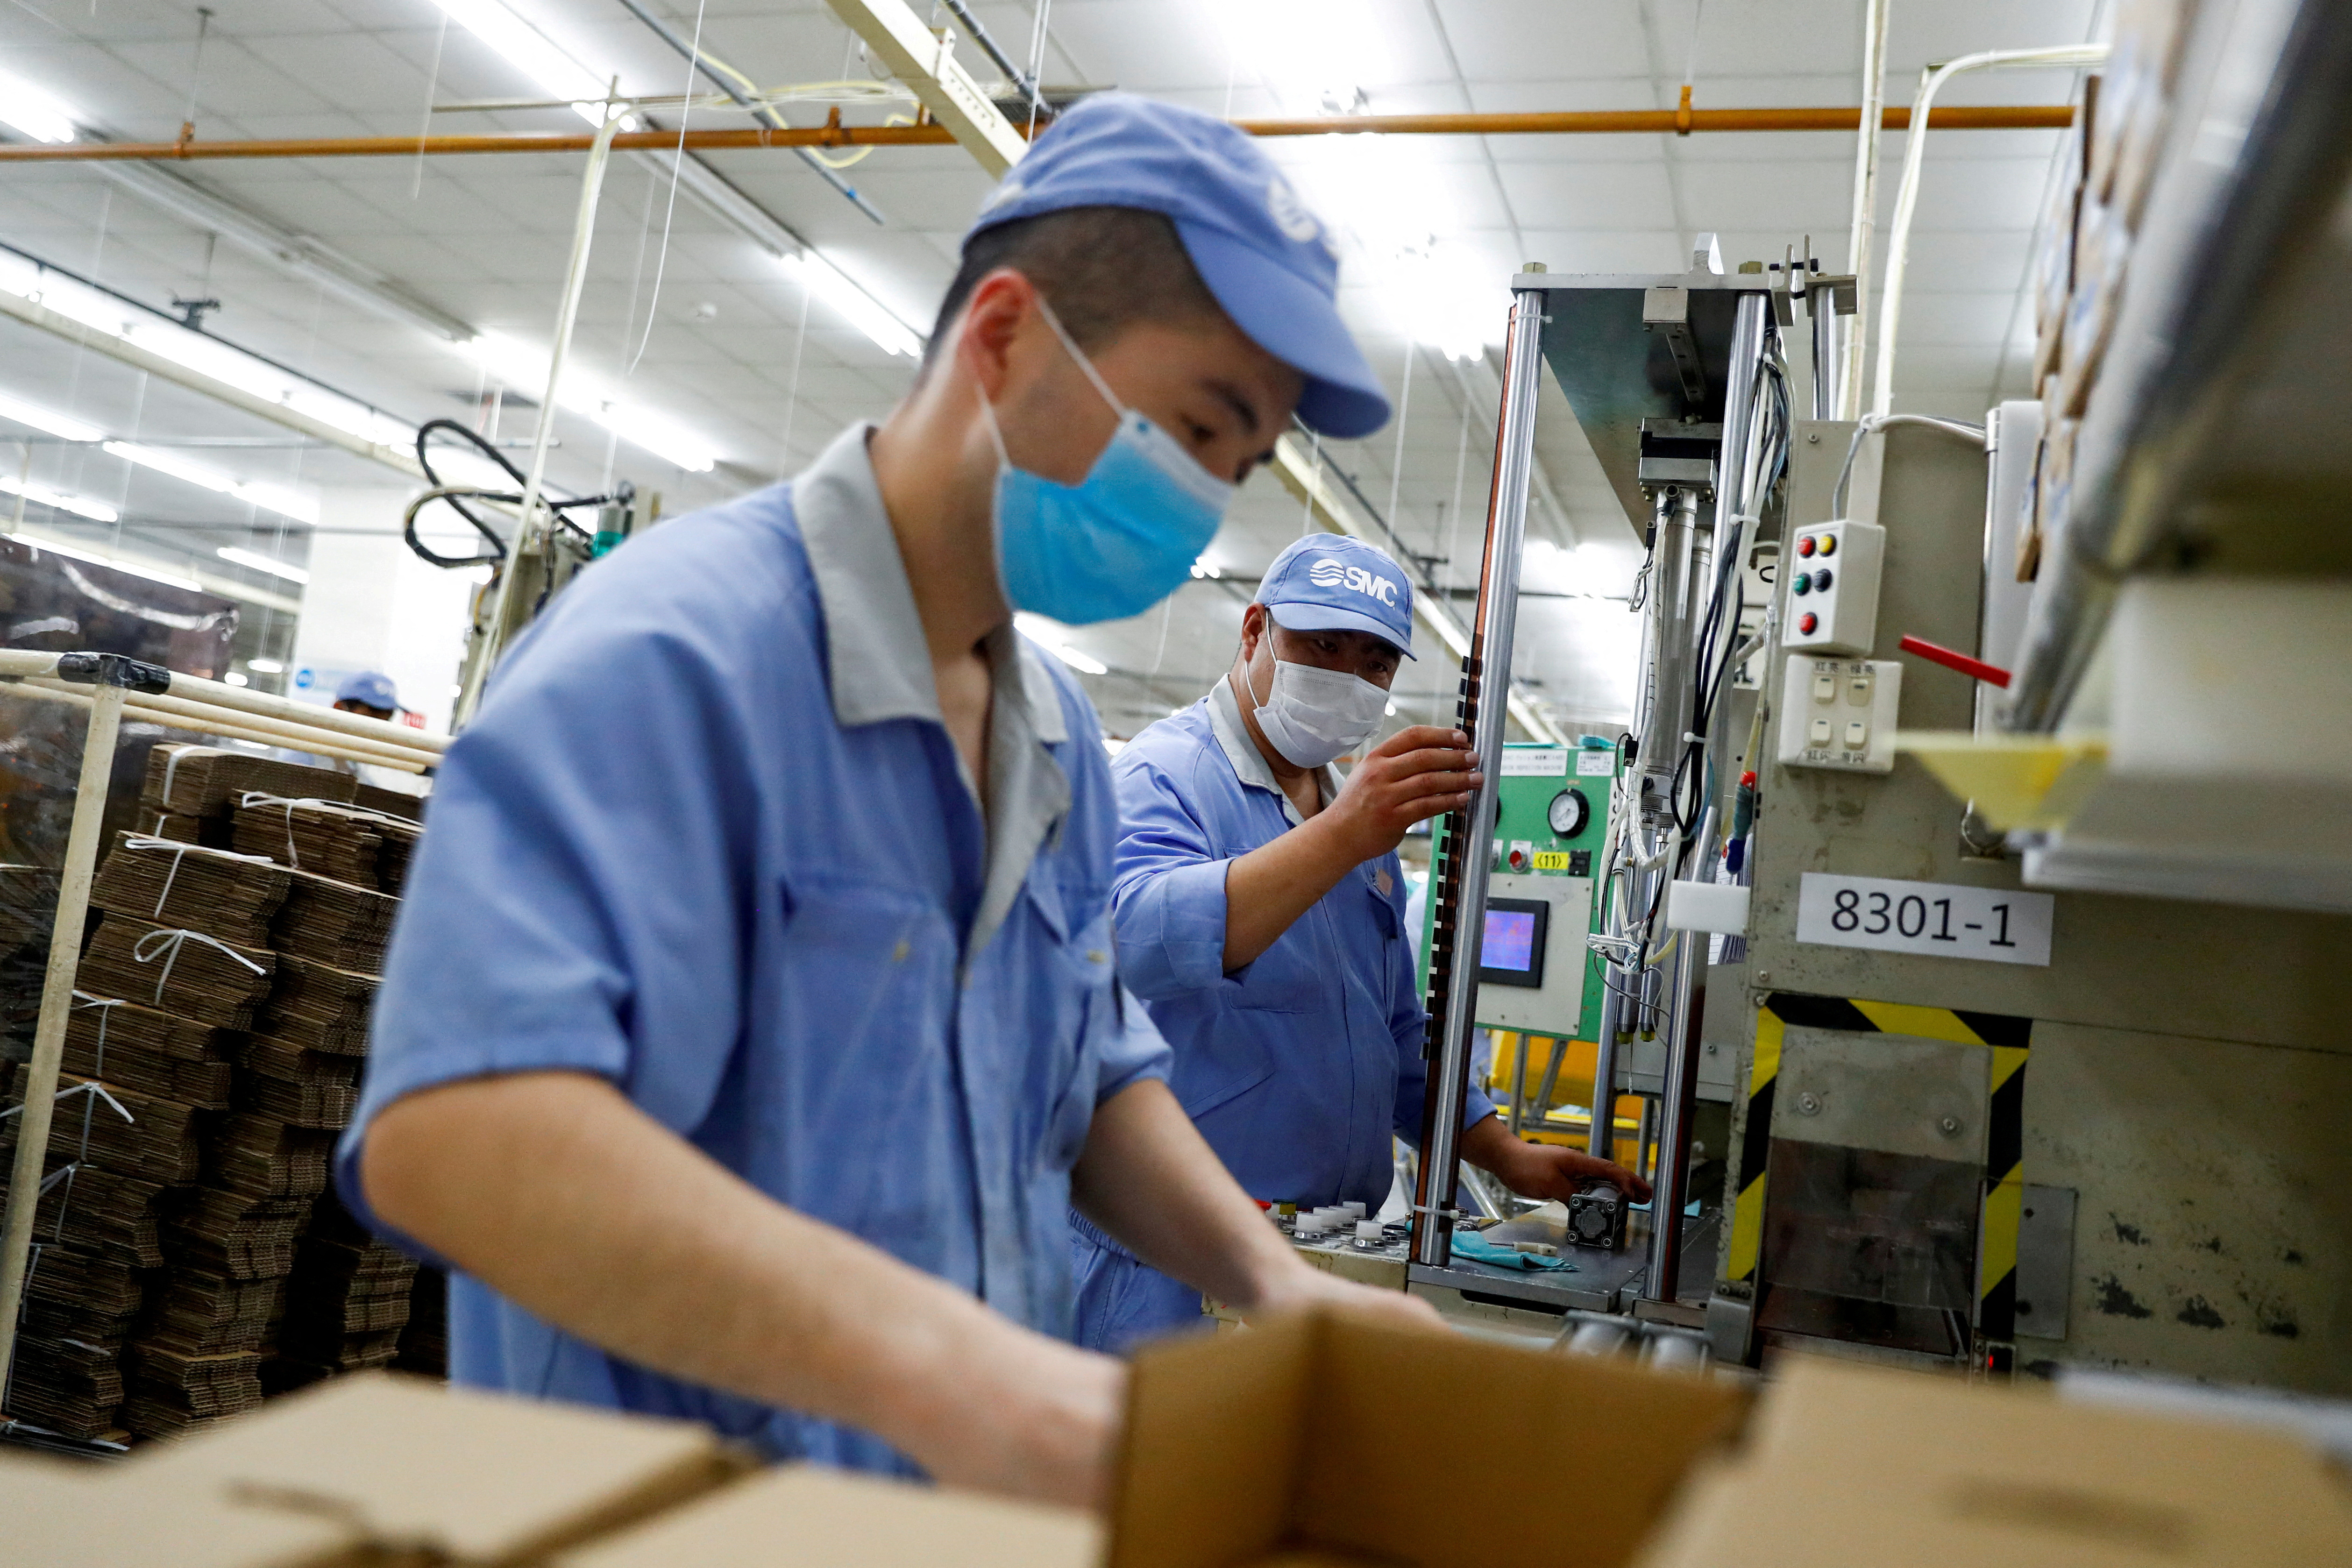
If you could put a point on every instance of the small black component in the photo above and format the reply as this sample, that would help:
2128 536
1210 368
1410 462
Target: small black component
113 670
1596 1219
1579 862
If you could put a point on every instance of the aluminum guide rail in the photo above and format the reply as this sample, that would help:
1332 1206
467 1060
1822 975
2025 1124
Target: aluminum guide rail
1461 890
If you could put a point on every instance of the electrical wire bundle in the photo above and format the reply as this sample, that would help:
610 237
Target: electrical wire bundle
458 496
1628 949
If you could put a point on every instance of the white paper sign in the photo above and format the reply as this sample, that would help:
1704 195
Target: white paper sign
1942 919
1535 762
1595 764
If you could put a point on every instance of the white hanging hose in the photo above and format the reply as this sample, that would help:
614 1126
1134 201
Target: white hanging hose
1906 196
567 312
1865 199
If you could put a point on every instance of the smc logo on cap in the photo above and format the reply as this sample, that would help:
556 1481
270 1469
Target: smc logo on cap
1329 573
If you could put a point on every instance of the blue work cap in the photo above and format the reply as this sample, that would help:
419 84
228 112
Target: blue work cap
1329 582
1272 263
373 687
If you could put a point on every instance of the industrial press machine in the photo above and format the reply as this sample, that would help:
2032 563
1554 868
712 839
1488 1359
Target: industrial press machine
1949 1118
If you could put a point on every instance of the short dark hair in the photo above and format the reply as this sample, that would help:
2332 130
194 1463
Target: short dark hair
1103 269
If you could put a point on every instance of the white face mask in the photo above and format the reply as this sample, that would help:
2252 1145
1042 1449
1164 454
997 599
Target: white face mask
1312 714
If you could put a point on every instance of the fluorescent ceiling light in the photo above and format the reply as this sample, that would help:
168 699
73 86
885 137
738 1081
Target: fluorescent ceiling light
1201 569
865 313
266 666
48 423
535 55
286 503
525 370
235 678
1047 635
80 505
158 335
259 562
115 562
35 113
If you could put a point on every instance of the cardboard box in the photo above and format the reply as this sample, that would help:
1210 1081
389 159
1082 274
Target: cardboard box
58 1513
828 1519
1848 1466
1333 1439
465 1477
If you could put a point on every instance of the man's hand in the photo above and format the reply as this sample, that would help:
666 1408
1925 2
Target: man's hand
1414 775
1543 1171
1304 1286
554 1190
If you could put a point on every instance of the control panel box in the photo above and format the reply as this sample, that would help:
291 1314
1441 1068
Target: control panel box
1839 713
1551 824
1833 603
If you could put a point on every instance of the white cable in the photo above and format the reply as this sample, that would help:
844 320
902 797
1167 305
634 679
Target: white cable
1907 198
1865 198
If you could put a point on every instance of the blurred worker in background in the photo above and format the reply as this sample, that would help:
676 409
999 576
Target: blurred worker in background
1261 917
751 1024
370 694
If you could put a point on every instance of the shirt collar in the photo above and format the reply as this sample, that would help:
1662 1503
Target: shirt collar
880 665
1249 764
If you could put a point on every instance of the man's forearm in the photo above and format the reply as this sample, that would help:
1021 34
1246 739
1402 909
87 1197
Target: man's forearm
612 1227
1269 888
1149 1178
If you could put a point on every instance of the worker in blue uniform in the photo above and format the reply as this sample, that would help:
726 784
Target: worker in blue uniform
751 1026
1261 908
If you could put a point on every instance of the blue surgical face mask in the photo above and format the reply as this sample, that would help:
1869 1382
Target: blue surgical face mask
1119 540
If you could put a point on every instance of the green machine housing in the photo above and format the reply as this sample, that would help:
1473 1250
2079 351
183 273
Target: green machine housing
1536 973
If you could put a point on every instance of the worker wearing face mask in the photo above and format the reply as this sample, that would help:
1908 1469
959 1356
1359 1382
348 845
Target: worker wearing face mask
1261 907
751 1027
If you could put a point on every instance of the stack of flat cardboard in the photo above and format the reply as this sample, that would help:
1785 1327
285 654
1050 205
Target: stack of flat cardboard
158 1142
187 976
318 1006
170 1243
206 781
335 840
98 1211
333 923
79 1307
390 802
138 1048
345 1305
192 888
171 1391
298 1087
425 1341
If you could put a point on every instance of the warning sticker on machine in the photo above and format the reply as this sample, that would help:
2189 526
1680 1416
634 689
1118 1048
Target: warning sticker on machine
1944 919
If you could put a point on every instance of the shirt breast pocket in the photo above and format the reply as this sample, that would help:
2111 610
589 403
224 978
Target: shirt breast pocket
865 981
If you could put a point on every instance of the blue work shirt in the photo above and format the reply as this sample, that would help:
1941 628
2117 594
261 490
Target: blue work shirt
709 840
1298 1065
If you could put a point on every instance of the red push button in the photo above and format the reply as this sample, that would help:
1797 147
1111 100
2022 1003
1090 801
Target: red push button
1806 623
1805 544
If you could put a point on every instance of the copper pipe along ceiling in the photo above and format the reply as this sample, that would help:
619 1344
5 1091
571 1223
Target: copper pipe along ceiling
1687 121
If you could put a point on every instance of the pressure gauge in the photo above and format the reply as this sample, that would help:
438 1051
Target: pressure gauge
1569 812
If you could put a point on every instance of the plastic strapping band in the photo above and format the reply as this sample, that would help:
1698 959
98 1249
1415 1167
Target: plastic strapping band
168 945
253 798
105 1006
179 853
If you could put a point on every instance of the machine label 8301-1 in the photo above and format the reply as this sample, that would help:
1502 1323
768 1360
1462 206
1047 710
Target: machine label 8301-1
1945 919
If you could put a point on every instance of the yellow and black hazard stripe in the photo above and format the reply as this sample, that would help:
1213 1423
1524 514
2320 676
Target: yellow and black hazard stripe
2009 1039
